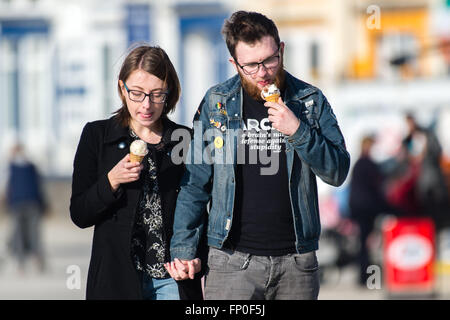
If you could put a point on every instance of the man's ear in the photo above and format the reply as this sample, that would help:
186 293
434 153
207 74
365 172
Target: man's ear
234 64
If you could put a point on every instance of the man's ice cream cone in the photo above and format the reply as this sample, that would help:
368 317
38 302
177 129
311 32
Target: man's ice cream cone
138 150
272 98
270 93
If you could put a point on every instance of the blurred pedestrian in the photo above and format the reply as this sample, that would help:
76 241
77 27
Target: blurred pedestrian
131 203
366 201
425 152
26 203
264 225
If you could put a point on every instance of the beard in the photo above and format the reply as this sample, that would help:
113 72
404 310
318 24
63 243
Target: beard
253 90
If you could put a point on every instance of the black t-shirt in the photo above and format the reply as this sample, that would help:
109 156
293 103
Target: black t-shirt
262 222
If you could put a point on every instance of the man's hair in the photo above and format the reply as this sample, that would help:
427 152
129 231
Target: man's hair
155 61
248 27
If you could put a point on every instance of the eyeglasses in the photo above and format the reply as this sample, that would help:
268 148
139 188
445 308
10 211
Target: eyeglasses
156 96
269 63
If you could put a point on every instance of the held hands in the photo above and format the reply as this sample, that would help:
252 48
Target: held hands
124 172
282 118
183 269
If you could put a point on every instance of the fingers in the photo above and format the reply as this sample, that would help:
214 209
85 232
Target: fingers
191 269
276 105
183 269
124 172
173 273
177 270
194 267
197 264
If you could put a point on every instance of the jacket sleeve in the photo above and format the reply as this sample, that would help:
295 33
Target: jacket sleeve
324 149
91 192
195 193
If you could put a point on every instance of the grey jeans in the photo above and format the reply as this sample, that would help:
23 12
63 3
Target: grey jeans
234 275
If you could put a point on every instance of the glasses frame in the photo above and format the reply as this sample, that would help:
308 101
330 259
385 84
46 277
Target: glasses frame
149 95
276 54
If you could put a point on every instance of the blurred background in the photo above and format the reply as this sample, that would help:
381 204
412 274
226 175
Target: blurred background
376 61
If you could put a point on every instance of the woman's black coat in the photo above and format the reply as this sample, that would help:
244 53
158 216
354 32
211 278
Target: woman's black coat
102 145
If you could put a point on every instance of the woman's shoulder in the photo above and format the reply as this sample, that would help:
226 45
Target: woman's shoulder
102 130
101 123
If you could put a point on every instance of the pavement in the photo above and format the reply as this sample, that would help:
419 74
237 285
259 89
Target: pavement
68 250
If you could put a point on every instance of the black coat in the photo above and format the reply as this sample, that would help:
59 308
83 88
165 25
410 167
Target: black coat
366 199
102 145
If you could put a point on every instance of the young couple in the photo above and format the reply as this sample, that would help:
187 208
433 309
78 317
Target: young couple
160 226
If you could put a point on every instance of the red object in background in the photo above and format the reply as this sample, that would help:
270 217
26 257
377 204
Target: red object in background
444 45
409 253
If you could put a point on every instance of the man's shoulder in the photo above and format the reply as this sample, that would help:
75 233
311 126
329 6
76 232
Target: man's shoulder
300 88
227 87
172 125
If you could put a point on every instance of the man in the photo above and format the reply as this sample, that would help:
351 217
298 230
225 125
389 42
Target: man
263 224
366 201
26 201
425 152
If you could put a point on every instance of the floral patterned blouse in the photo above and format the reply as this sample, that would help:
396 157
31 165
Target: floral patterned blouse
148 247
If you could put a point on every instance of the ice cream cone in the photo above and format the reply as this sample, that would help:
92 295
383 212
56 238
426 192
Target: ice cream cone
135 158
138 150
272 98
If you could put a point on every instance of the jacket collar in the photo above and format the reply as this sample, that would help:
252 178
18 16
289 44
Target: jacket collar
115 131
297 89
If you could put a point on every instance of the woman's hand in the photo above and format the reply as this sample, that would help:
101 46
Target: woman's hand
124 172
183 269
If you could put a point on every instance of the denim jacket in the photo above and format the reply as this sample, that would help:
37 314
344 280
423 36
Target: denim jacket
310 152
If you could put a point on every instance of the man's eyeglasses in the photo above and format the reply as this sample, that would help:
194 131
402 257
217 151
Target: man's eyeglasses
157 96
269 63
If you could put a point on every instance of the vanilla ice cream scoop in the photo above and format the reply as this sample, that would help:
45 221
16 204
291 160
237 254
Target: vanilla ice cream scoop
271 93
138 150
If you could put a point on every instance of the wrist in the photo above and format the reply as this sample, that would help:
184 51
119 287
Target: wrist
295 128
114 185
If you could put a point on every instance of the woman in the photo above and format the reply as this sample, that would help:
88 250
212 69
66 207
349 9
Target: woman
131 204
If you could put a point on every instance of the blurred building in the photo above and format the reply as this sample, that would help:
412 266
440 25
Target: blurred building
59 62
374 59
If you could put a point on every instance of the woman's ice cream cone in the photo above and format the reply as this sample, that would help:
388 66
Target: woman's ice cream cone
138 150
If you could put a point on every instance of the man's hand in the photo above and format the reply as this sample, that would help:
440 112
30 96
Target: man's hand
282 118
183 269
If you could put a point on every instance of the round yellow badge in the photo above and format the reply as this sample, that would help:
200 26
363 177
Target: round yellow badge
218 142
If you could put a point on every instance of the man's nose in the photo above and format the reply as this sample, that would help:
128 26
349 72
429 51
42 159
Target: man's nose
262 71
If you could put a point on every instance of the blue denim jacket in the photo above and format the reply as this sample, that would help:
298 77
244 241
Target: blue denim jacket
310 152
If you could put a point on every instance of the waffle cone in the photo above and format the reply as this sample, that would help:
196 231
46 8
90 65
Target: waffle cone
135 158
272 98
